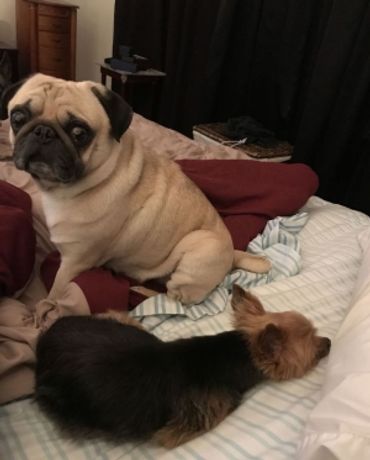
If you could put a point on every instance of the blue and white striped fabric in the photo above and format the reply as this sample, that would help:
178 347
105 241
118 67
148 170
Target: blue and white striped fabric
278 242
269 423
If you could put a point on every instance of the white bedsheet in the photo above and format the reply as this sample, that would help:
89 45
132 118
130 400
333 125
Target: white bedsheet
339 426
270 422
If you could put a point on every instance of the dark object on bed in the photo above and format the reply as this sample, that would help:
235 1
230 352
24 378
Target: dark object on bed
251 130
97 377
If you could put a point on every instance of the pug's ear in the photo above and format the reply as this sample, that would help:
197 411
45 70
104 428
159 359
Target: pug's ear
118 111
6 96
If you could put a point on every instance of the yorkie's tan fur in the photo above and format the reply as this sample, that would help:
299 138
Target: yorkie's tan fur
292 346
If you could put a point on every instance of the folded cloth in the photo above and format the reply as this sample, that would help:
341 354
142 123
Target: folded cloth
17 239
246 193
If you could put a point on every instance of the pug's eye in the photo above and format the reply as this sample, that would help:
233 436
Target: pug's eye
79 135
18 118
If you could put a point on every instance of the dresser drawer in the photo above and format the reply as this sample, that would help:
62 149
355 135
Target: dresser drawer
53 40
53 24
55 73
46 37
54 59
49 10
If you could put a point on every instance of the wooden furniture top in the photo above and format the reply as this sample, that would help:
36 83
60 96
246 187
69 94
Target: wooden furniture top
51 3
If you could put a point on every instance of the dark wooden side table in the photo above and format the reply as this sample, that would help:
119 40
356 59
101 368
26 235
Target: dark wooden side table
125 83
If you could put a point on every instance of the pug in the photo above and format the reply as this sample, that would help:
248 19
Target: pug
108 200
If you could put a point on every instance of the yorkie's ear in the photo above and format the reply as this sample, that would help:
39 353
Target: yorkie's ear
270 341
238 296
245 302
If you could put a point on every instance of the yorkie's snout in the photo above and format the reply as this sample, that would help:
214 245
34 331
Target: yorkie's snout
324 347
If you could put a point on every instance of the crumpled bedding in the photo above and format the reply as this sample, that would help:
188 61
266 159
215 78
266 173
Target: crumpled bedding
270 421
22 319
278 242
338 428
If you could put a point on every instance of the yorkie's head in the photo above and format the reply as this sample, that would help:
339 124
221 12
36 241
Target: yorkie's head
283 345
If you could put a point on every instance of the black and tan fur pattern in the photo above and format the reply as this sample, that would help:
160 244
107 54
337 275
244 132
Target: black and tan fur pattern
284 345
108 376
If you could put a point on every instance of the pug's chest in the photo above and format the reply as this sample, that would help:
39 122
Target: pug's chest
77 229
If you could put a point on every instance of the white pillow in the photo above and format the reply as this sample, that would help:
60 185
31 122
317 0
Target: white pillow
338 428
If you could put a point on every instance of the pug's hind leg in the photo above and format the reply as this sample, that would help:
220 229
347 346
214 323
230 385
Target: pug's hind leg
205 261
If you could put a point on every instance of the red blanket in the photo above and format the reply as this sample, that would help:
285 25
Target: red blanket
246 193
17 239
249 193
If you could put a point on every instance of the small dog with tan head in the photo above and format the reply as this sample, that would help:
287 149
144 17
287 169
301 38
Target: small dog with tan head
109 377
108 200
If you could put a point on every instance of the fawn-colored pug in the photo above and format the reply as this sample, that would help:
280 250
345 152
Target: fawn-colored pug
108 200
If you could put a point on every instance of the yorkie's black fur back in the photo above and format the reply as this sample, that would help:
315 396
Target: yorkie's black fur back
99 376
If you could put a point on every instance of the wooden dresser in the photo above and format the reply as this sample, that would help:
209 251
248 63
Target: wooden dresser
46 38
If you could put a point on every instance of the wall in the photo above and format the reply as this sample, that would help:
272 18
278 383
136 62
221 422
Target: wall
7 22
94 33
94 36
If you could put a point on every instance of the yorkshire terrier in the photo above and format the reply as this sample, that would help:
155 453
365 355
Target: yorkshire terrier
109 377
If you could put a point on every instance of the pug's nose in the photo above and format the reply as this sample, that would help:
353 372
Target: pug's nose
44 133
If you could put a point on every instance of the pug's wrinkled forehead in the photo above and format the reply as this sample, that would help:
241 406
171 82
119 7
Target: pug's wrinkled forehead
58 101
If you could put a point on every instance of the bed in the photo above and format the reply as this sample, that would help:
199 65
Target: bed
323 416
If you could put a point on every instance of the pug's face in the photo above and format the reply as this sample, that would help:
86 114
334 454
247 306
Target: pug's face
62 130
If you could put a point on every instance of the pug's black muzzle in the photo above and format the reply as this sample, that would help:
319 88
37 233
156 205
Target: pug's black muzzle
41 152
